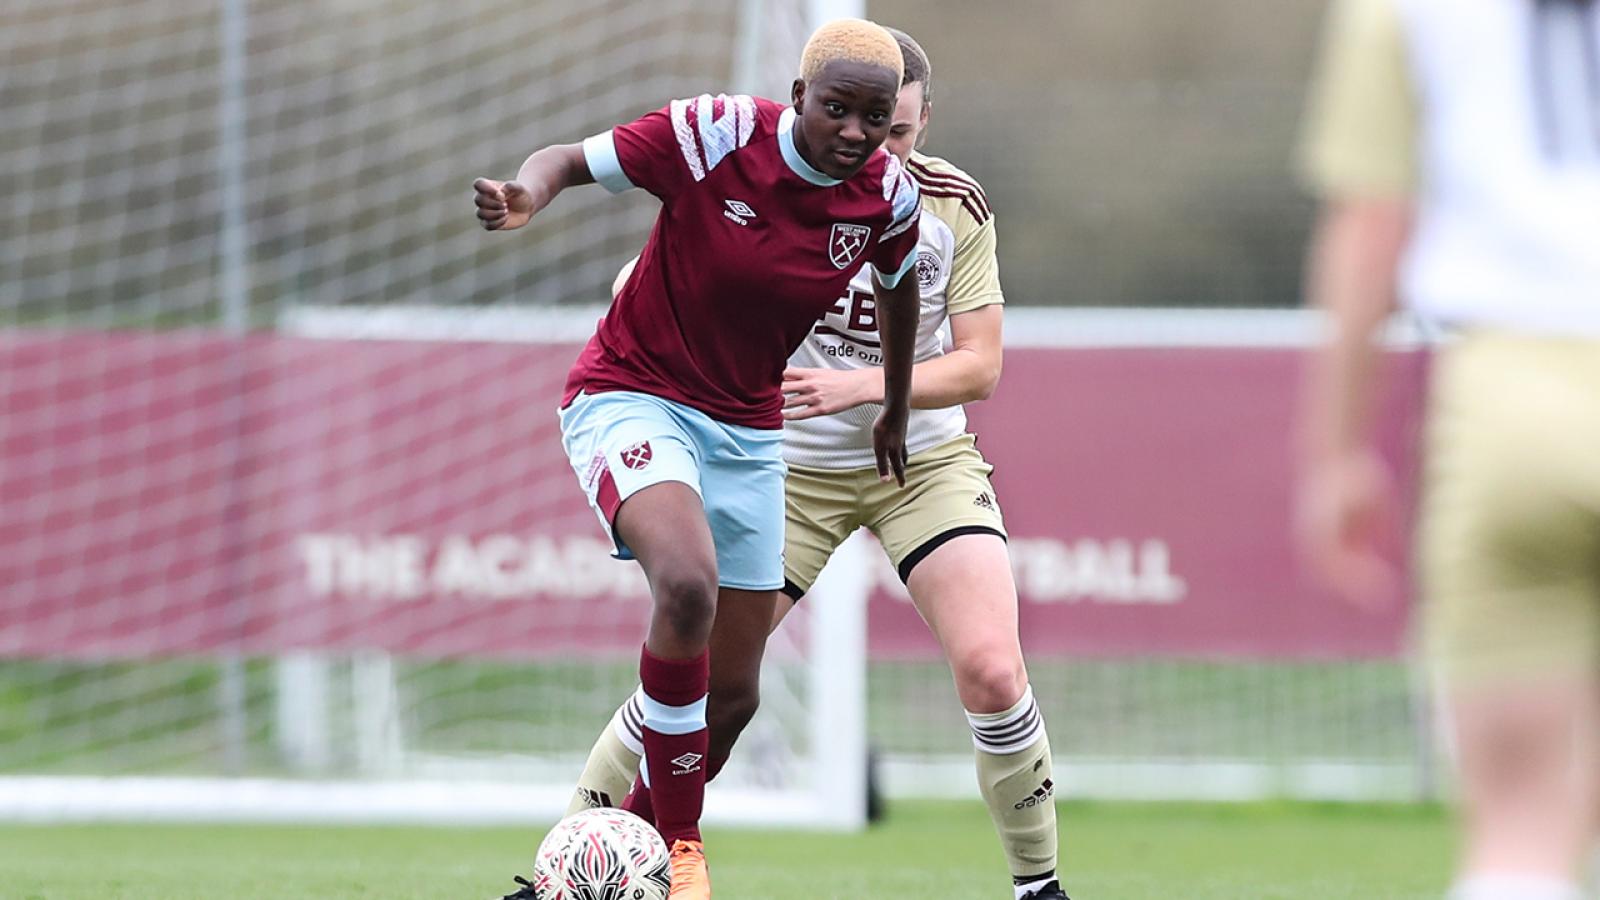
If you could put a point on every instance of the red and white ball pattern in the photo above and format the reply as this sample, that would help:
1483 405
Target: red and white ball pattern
602 854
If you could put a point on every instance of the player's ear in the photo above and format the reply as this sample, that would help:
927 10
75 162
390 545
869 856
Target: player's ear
922 124
798 95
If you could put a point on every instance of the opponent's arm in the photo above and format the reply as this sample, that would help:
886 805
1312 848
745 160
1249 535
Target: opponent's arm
507 205
1346 508
968 372
1361 155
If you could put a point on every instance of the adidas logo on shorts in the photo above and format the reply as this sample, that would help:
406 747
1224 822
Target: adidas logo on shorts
984 501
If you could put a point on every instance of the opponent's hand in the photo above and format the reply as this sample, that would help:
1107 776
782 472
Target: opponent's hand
1346 516
808 393
889 443
502 205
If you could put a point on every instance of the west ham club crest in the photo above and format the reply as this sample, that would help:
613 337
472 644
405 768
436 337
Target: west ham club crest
637 456
846 243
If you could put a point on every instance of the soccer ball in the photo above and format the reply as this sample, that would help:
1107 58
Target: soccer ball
602 854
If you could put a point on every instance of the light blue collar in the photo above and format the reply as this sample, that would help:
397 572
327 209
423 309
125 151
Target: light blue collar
791 155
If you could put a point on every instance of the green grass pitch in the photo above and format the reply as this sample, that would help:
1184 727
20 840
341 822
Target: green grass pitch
925 849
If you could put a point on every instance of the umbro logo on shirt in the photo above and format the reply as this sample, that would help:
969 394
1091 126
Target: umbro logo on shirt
739 211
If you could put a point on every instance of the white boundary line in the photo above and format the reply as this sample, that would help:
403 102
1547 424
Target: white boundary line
39 799
1026 327
158 799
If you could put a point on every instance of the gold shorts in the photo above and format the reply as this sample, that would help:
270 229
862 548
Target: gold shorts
1509 548
947 494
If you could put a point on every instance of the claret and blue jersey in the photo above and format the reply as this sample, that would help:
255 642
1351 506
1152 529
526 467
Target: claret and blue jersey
751 247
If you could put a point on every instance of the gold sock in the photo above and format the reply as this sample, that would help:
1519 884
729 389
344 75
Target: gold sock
613 761
1014 774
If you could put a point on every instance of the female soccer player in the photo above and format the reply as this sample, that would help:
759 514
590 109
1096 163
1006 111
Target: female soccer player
672 414
1456 151
944 532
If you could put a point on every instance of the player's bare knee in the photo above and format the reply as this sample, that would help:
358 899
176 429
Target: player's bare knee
990 680
685 600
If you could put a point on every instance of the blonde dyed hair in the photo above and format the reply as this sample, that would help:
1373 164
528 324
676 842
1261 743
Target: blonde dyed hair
851 40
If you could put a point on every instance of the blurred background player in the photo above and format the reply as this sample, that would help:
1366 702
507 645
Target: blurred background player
1456 146
944 532
673 412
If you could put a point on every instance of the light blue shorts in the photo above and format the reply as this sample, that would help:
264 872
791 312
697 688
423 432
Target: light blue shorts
621 442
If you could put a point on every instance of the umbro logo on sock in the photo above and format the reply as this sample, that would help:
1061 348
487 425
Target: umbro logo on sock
1042 795
687 763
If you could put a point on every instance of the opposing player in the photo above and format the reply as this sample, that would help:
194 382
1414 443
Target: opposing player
672 415
1456 145
944 532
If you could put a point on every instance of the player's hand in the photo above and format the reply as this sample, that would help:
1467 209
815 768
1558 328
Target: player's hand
889 443
502 205
808 393
1346 517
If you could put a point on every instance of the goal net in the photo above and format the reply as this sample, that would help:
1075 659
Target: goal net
288 534
251 574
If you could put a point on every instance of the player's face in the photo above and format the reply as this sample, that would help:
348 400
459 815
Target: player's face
845 114
910 118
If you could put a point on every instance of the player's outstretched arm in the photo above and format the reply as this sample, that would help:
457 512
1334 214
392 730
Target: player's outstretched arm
506 205
898 310
1345 508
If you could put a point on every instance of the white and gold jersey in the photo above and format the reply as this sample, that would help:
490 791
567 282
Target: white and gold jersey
956 271
1487 112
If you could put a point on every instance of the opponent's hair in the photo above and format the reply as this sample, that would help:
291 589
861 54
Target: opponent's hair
851 40
918 69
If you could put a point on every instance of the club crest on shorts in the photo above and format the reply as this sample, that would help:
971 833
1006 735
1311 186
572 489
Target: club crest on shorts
846 243
636 456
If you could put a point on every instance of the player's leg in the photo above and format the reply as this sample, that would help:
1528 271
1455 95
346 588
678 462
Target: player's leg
744 485
1528 756
964 590
820 511
742 476
666 530
822 507
946 537
613 762
641 472
738 642
1510 539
